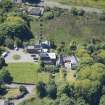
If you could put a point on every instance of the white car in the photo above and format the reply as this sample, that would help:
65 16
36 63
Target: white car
4 54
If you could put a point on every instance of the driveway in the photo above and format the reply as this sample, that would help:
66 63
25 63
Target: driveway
1 102
25 57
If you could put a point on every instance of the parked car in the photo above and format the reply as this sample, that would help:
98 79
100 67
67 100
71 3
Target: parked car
33 55
16 48
36 59
5 54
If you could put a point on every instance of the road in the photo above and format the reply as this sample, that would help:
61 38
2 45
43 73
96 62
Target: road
53 4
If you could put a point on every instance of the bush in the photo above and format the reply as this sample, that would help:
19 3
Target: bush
9 43
49 15
41 89
51 68
2 62
52 90
81 12
5 76
74 11
23 89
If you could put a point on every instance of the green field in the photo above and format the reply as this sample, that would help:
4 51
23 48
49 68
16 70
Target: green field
91 3
26 73
67 28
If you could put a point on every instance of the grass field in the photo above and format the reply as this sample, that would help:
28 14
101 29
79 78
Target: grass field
91 3
67 28
26 73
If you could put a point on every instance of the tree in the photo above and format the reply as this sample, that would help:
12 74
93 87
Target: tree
65 100
15 27
52 90
89 82
100 57
47 101
73 47
81 12
91 48
41 89
23 90
2 89
5 76
61 48
6 5
81 101
41 66
18 42
103 90
62 74
2 62
9 43
74 11
102 100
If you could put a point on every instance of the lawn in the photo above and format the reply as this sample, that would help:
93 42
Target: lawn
26 73
91 3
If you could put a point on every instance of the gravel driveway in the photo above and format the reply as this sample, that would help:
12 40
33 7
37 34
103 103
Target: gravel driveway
25 57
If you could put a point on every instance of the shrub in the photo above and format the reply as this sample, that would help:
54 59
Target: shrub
74 11
49 15
9 43
23 89
81 12
41 89
51 68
